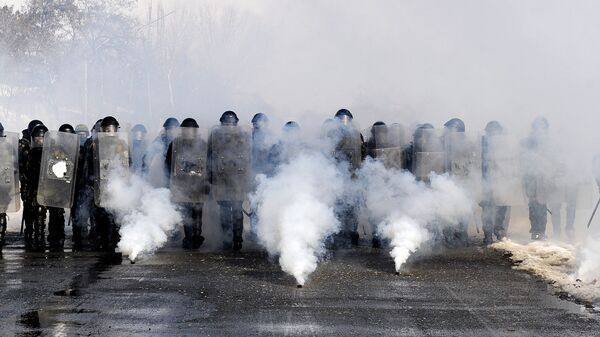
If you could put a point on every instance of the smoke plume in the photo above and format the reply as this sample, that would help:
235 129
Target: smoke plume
145 213
295 211
405 210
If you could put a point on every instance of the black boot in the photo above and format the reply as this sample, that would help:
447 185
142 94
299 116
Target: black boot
3 225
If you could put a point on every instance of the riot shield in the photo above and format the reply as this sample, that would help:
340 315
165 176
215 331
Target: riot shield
348 148
502 176
230 160
428 154
462 154
10 200
57 171
385 145
189 181
111 161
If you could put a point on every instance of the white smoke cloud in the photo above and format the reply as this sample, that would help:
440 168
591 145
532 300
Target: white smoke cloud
146 214
296 211
403 209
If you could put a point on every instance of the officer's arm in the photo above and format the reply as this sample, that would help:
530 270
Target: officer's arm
168 160
209 159
363 148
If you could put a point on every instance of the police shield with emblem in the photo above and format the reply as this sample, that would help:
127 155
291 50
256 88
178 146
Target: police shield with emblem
189 179
230 160
57 172
384 145
427 152
111 160
9 173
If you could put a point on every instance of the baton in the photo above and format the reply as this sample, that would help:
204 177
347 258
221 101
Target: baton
593 213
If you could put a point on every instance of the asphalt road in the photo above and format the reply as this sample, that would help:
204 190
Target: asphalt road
464 292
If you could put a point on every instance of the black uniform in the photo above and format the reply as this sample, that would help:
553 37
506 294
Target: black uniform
494 217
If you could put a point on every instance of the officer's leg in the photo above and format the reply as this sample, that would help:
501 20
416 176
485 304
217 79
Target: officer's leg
226 216
556 219
56 228
501 221
238 225
570 228
188 228
39 228
76 219
353 222
103 228
28 220
487 218
197 238
114 236
538 219
3 225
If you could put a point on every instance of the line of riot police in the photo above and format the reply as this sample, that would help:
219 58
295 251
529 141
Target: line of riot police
72 168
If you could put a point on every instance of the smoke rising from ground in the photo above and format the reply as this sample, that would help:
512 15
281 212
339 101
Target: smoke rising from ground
295 211
146 215
407 212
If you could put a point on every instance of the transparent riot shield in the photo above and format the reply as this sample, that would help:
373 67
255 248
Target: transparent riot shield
502 176
463 154
348 148
189 179
58 168
10 200
428 154
384 144
111 161
230 160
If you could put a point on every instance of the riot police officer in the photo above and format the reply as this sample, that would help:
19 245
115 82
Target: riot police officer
139 150
24 147
111 157
35 237
56 183
426 153
494 215
82 206
460 159
228 166
536 180
186 166
9 200
349 150
87 182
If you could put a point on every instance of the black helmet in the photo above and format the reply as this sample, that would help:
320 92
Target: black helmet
455 124
189 123
420 130
109 124
540 123
171 123
379 133
66 128
229 118
259 118
97 127
39 130
291 125
32 124
493 127
139 128
344 114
